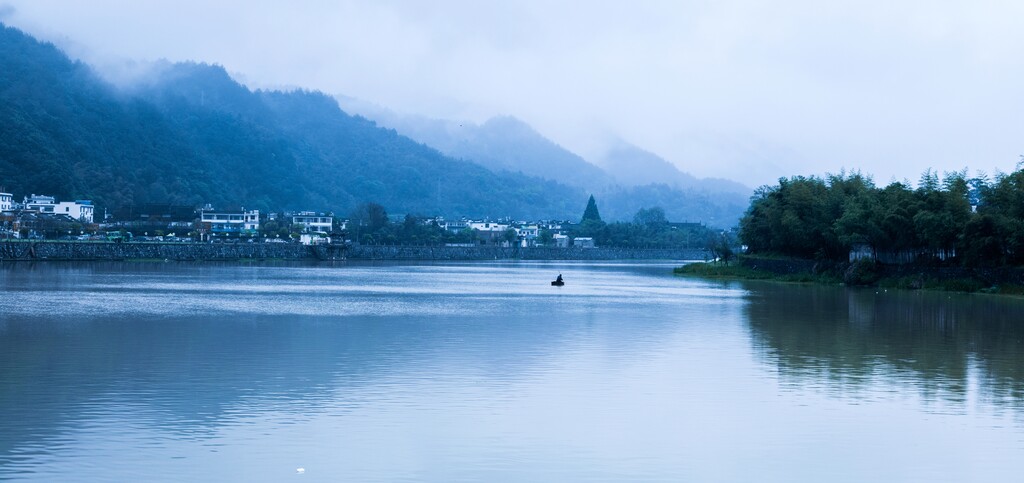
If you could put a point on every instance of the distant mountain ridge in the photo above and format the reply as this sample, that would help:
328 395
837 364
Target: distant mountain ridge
634 166
502 143
190 134
624 178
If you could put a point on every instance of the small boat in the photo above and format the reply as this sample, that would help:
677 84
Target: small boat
558 281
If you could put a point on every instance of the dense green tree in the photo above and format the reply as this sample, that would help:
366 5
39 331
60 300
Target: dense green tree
824 218
591 213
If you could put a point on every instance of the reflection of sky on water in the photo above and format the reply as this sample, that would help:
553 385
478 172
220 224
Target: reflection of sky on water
355 290
470 372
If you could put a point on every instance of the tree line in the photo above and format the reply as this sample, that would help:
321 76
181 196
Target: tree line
969 221
649 229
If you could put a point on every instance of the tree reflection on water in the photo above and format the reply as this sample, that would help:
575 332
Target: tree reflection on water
849 340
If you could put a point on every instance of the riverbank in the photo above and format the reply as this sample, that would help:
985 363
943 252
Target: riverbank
1002 280
110 251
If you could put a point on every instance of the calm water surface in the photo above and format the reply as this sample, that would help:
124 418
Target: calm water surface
484 372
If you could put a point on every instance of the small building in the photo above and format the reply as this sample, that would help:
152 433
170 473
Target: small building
489 233
583 242
81 210
312 221
561 241
40 203
314 238
527 234
6 202
230 222
453 226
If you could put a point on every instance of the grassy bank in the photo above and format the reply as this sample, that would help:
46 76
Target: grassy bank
856 274
736 271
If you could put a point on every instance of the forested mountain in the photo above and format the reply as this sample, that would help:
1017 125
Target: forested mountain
633 166
193 135
189 134
502 143
633 178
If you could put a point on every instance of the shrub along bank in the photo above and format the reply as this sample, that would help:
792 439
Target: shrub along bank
865 273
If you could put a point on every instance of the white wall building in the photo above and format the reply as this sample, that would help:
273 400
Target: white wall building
583 242
485 226
314 222
231 221
489 232
527 234
314 239
6 202
80 210
40 203
561 241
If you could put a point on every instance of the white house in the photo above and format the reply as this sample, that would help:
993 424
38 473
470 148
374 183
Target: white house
40 203
314 222
527 234
314 239
452 226
561 241
6 202
583 242
489 232
80 210
230 221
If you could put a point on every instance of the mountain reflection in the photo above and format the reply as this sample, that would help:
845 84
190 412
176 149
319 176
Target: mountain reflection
845 340
190 376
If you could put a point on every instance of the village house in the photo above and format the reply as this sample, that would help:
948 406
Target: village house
6 202
39 203
527 233
489 233
583 242
314 222
81 210
229 222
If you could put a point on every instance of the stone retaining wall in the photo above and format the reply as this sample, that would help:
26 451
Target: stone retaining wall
379 252
24 250
160 251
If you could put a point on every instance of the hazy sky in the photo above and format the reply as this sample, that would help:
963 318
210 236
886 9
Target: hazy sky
749 90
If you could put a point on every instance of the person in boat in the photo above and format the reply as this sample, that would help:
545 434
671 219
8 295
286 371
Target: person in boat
559 279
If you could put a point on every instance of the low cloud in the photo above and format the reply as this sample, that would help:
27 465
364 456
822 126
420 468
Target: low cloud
741 89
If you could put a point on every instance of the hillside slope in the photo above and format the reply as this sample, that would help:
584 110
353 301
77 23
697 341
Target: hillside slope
193 135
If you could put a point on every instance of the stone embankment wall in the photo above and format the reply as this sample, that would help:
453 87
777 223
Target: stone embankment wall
164 251
23 250
381 252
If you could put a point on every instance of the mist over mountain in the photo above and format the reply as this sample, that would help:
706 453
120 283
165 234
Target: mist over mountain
501 143
187 133
190 134
634 166
627 179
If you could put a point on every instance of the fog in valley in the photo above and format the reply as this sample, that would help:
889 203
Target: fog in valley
743 90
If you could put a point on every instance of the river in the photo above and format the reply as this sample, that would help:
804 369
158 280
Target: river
485 372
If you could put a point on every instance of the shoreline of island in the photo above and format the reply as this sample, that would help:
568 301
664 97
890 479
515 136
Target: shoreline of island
863 273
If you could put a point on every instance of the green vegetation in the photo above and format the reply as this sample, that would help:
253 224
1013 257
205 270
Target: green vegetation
934 224
369 224
188 134
649 229
719 270
192 135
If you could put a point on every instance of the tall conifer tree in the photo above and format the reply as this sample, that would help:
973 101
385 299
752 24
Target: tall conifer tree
591 214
